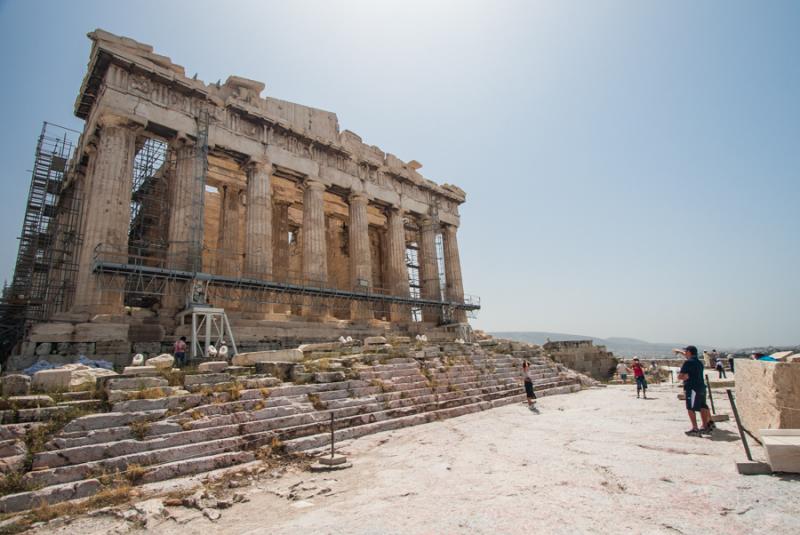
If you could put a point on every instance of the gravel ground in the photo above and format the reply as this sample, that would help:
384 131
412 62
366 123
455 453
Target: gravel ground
599 461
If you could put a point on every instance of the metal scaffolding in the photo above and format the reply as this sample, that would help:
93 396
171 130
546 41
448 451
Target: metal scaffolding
46 268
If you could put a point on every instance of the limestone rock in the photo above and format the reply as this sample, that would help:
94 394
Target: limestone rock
768 395
84 376
213 366
163 361
52 380
374 341
280 355
26 402
16 385
140 370
45 348
138 360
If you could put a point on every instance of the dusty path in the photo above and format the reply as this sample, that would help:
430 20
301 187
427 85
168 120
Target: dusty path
599 461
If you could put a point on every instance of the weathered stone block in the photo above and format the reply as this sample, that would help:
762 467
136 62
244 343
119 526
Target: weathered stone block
213 366
135 383
768 395
51 380
43 349
52 332
147 348
280 355
113 347
374 340
206 378
16 385
140 370
281 370
329 377
162 362
783 449
26 402
101 332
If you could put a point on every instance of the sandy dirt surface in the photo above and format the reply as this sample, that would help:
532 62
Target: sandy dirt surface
599 461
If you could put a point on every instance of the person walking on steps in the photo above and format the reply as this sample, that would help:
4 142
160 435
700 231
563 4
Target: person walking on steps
526 377
638 374
180 351
691 374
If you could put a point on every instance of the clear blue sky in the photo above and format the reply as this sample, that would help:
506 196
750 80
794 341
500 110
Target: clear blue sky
632 168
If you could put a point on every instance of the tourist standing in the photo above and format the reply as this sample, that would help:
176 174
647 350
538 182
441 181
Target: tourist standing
730 361
721 369
691 374
180 351
638 374
622 370
526 378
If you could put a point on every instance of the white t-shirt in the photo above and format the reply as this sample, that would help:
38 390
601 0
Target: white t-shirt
621 368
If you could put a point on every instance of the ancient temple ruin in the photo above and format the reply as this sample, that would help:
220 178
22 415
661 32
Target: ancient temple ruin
180 194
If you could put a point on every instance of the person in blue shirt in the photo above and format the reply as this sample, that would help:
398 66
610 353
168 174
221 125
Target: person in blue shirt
691 374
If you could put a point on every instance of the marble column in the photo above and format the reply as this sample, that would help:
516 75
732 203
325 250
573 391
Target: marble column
258 238
315 258
360 257
185 223
107 211
280 248
397 271
454 286
429 268
228 252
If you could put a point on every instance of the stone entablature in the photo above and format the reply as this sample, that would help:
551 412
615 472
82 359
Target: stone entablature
128 79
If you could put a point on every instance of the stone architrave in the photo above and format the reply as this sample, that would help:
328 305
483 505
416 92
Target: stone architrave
429 268
397 271
454 285
106 214
315 260
360 257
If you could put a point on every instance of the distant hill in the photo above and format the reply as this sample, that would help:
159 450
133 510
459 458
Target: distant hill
621 347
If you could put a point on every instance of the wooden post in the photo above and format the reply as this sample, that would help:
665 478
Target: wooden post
710 395
739 424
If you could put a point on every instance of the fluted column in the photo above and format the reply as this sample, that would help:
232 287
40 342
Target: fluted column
360 257
185 223
429 268
454 286
228 252
107 213
258 238
397 271
315 258
280 247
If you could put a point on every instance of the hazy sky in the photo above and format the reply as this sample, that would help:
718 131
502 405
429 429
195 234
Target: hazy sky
631 168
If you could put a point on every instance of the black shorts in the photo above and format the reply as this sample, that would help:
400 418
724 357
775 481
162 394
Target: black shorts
529 390
641 383
695 401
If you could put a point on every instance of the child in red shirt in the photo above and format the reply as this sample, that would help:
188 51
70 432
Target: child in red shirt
641 382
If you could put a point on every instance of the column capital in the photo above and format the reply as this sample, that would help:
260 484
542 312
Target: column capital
358 196
257 165
110 120
314 184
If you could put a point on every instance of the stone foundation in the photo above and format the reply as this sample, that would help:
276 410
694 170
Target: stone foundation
584 357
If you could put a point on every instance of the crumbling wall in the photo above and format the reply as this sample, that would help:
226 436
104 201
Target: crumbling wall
583 356
768 395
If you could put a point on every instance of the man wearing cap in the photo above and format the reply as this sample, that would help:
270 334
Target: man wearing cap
692 376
